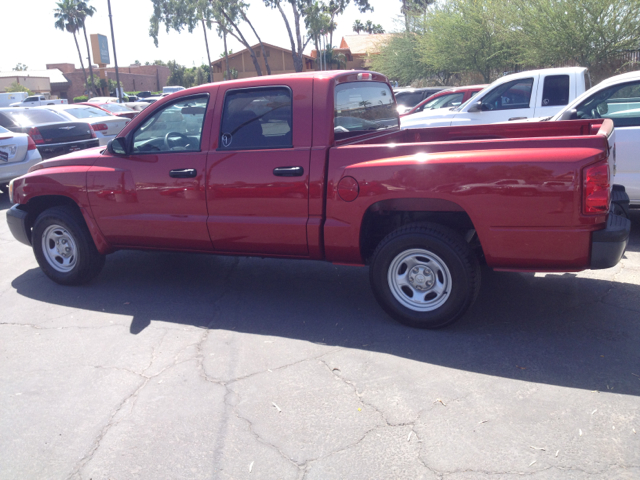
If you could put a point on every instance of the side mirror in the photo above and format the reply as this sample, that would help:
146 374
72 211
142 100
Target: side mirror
117 146
569 115
476 107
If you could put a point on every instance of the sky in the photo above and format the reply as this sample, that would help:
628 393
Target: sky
28 34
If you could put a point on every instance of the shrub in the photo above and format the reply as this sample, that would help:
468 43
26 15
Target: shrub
82 98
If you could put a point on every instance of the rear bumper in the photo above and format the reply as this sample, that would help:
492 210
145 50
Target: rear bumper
608 245
19 224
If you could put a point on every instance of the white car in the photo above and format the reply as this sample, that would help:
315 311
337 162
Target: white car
105 125
534 93
617 98
18 153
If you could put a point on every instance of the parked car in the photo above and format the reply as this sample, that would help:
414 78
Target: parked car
131 98
171 89
117 109
617 98
144 94
408 97
103 100
258 167
37 100
534 93
137 106
449 98
151 99
18 153
105 124
53 134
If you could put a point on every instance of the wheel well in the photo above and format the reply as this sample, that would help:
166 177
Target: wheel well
380 220
37 205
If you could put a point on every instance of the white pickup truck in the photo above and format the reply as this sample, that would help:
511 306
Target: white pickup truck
617 98
534 93
37 100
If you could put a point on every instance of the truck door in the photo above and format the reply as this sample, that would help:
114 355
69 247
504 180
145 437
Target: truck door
258 176
155 196
554 94
514 100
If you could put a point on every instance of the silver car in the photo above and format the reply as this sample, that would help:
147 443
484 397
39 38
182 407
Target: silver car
18 153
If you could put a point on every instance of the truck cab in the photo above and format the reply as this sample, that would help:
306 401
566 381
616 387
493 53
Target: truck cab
534 93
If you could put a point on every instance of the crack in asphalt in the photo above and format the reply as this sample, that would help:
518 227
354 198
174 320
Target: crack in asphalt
133 397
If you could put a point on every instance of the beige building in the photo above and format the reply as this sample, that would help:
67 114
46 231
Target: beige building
280 61
46 82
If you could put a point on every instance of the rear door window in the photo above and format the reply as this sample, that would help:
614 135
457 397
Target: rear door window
363 107
257 118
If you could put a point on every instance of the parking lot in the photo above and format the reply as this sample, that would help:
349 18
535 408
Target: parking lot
185 366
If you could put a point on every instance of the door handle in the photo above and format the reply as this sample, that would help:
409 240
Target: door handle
288 171
183 173
517 118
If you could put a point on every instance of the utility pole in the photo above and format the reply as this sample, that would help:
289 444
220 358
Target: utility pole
115 58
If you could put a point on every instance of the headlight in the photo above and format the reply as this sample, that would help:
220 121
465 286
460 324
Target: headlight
11 191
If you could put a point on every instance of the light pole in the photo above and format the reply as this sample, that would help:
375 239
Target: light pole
115 57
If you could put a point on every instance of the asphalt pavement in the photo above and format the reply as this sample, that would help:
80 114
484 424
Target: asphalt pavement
181 366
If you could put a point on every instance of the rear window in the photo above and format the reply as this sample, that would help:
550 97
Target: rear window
114 107
25 117
86 112
556 91
362 108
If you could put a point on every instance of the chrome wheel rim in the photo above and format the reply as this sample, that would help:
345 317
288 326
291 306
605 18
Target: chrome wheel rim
59 248
419 280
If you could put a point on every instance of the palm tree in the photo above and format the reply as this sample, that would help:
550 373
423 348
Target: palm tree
358 26
66 19
84 10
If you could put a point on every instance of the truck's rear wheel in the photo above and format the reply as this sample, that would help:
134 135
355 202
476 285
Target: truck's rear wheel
64 248
425 275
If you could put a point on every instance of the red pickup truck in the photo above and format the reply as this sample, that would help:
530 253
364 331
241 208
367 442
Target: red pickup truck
314 166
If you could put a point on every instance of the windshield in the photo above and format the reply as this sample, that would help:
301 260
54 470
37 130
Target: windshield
25 117
621 103
363 107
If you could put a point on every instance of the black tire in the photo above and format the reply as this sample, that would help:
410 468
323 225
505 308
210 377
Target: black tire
451 268
67 226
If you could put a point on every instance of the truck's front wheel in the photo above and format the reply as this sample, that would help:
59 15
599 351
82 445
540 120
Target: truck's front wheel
64 248
425 275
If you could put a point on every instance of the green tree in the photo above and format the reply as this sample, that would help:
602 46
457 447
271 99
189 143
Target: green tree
311 13
470 36
21 67
66 16
399 59
358 27
372 28
588 32
413 8
16 87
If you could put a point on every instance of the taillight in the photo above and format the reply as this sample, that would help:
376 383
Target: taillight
31 144
597 189
35 134
93 132
365 76
100 126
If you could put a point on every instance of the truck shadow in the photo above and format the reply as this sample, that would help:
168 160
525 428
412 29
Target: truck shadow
5 204
560 329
